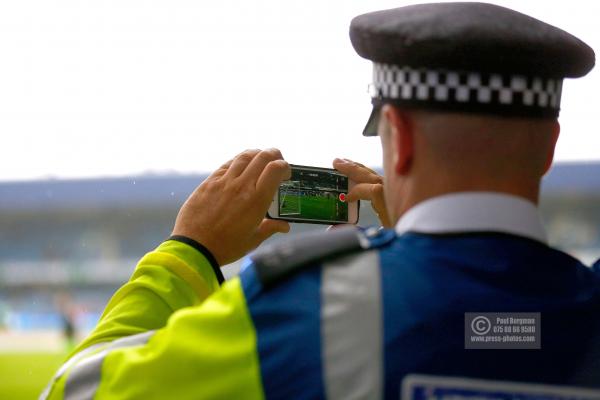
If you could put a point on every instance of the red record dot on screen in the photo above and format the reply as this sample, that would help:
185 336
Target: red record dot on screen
342 197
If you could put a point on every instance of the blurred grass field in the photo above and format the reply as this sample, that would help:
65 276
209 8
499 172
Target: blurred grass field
24 375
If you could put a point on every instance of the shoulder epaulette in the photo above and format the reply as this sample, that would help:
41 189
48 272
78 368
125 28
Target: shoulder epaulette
280 260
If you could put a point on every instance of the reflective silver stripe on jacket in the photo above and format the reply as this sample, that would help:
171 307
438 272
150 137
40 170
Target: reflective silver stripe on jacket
67 365
84 377
352 328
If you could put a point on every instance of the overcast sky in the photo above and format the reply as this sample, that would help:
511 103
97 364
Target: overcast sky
112 88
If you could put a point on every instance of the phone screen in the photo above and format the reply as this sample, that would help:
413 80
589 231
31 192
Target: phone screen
314 194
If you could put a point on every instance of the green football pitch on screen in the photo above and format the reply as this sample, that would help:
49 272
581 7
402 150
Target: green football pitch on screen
314 195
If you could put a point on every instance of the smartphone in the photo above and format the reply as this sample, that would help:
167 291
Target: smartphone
314 195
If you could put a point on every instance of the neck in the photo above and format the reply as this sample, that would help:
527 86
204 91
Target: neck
415 191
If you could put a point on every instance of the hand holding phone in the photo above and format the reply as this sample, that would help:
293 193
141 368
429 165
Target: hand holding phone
315 195
226 213
368 186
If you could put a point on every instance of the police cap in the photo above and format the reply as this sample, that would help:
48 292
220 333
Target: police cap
467 57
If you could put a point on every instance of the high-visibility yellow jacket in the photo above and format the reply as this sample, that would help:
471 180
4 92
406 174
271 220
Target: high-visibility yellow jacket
163 326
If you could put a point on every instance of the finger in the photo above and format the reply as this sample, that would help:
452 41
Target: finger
373 193
258 164
240 162
378 204
365 191
271 177
222 169
361 165
268 227
355 172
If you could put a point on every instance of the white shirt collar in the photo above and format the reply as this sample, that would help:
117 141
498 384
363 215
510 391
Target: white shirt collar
474 212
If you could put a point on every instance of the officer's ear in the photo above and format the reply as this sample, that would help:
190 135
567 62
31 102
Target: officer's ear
554 139
401 138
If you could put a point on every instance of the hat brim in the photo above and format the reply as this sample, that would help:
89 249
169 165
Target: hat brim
373 122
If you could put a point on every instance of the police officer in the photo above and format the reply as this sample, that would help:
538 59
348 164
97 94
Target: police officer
465 102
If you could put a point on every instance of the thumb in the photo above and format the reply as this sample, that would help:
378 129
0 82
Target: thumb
268 227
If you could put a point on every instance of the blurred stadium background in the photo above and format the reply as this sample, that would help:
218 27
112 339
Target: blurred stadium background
67 245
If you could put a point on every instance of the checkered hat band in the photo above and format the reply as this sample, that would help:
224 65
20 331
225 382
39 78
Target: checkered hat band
391 82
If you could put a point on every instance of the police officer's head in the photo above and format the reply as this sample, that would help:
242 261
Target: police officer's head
465 97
